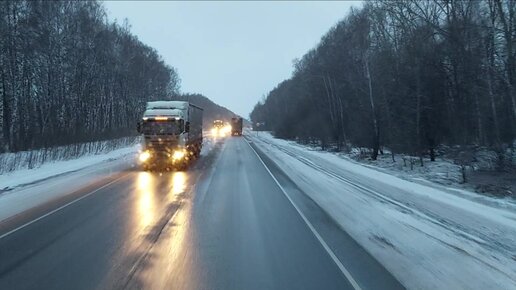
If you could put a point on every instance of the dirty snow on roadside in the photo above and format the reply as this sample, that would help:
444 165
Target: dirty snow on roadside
482 173
26 176
429 237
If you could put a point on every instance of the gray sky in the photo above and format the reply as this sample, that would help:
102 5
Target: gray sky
232 52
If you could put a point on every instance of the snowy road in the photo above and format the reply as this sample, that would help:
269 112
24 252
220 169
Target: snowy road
428 237
227 223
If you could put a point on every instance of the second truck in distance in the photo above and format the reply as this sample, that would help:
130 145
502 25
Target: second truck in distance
236 126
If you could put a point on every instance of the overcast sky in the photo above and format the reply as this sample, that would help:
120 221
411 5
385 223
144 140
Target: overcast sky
232 52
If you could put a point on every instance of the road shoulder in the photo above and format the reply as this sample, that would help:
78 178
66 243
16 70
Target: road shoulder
368 272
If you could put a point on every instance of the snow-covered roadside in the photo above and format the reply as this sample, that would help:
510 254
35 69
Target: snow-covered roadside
27 176
427 237
444 172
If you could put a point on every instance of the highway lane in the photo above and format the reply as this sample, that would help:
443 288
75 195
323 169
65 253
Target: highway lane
94 242
224 224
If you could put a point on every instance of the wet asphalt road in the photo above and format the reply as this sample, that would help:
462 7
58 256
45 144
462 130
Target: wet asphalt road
223 224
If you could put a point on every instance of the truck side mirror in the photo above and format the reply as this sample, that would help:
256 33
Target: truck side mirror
187 127
139 127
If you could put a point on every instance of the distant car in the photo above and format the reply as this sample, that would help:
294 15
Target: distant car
220 128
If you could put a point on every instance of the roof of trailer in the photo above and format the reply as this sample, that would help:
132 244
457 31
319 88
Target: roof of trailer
167 105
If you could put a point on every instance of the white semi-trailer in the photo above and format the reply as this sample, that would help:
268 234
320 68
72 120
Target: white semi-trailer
172 134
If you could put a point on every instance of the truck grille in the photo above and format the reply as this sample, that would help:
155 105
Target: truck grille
160 142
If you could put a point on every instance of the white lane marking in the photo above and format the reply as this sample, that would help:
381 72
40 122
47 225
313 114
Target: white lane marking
341 267
60 208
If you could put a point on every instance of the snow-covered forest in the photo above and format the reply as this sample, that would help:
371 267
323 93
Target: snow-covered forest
68 75
407 76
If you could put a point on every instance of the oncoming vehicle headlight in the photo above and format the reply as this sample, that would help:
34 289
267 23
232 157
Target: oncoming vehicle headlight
178 154
227 129
144 156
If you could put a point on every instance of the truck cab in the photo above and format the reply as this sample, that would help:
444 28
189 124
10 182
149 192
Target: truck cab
168 138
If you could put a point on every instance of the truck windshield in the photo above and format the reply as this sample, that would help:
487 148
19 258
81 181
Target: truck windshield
169 127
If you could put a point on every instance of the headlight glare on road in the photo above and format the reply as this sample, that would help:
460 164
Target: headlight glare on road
144 156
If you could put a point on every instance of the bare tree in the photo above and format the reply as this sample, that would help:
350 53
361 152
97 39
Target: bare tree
422 73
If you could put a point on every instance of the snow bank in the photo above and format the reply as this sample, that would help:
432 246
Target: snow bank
35 158
429 237
25 176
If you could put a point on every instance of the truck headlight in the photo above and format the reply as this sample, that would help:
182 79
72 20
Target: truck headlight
144 156
178 154
227 129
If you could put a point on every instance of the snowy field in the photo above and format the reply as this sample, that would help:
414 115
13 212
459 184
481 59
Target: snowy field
35 158
26 176
427 235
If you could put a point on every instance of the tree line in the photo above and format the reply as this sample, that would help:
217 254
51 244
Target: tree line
211 110
69 75
407 75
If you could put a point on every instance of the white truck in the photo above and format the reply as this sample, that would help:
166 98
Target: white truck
172 134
